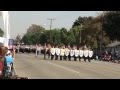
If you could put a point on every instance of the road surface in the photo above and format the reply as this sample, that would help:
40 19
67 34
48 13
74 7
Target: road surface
27 65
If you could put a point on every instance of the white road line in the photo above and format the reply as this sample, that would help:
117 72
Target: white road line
64 67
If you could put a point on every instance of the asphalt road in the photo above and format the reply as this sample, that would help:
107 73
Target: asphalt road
27 65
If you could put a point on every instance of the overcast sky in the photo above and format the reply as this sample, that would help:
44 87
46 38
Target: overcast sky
21 20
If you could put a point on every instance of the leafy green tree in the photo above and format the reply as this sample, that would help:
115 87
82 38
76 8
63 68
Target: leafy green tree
18 39
111 24
82 20
27 39
33 34
56 37
43 38
91 31
35 29
76 31
1 33
63 35
71 38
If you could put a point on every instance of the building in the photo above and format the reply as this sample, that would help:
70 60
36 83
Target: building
113 47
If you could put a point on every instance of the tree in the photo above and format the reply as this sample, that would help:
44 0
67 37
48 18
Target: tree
1 33
18 39
90 32
55 34
33 34
35 29
43 38
63 35
27 39
76 31
111 24
71 38
81 20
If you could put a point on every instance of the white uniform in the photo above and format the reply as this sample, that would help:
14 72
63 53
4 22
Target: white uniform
67 51
57 51
76 52
52 51
81 53
62 52
90 53
85 53
71 53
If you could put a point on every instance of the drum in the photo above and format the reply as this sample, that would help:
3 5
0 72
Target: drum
57 51
81 53
62 52
76 53
90 53
67 51
53 51
85 53
71 53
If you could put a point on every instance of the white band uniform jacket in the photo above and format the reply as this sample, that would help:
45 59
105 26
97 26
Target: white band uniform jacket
57 51
53 51
81 53
76 52
86 53
90 53
62 51
67 51
71 53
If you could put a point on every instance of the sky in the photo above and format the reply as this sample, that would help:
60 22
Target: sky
20 21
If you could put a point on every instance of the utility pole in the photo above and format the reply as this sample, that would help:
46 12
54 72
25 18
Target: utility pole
51 20
101 41
80 32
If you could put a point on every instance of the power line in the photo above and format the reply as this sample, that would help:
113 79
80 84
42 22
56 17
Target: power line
51 20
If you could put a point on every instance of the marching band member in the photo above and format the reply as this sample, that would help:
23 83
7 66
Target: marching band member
85 53
57 52
90 55
76 54
67 51
69 57
48 50
52 51
71 53
62 51
80 53
45 51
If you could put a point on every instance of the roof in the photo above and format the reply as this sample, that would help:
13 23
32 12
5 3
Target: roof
114 44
